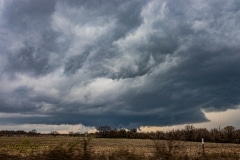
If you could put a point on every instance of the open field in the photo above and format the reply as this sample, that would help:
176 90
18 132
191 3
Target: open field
35 146
148 147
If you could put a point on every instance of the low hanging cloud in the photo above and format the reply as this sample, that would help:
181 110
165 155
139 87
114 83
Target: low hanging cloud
118 63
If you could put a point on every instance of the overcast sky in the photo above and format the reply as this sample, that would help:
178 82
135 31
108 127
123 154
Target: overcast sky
123 63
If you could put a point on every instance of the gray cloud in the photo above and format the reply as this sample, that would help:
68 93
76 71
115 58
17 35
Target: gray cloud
122 63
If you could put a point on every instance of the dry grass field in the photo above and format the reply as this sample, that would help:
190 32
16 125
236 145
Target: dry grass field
142 146
32 147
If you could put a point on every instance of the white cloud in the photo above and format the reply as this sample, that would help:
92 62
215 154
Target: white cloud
216 120
100 90
44 128
79 27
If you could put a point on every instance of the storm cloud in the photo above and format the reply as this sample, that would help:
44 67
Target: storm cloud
119 63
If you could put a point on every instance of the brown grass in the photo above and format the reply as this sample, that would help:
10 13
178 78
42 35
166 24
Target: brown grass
64 147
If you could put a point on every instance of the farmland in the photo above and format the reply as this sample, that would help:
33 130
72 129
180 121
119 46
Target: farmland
93 148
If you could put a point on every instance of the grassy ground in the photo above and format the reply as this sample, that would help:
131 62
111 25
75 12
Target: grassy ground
96 148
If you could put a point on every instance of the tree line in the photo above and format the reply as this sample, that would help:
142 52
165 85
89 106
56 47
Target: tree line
228 134
18 133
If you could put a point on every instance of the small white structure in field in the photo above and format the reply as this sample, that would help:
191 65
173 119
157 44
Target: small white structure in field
203 145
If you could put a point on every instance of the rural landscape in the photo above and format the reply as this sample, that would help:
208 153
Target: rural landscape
112 144
119 79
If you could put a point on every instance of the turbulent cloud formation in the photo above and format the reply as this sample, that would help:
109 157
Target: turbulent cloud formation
118 63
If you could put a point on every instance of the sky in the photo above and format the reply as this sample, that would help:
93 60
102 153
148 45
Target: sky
85 63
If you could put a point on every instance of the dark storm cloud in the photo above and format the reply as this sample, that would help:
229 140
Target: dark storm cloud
21 15
29 59
75 62
121 63
28 24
